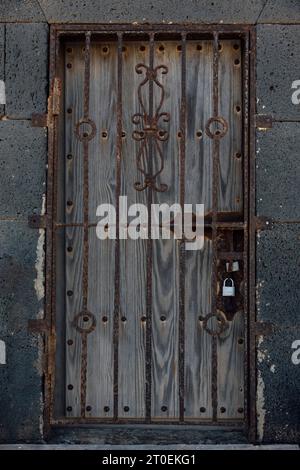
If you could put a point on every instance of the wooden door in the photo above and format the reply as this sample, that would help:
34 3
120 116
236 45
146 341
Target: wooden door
148 336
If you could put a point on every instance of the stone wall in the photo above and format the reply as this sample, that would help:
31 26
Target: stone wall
24 40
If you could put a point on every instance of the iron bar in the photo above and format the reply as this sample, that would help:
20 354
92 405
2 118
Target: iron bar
50 249
181 343
252 251
236 30
86 221
149 254
117 241
245 92
215 187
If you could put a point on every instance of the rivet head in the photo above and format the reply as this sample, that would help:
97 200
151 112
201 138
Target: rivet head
106 409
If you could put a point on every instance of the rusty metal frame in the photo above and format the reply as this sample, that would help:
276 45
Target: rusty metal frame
247 35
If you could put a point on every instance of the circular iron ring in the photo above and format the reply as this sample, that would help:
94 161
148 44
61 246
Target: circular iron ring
218 134
222 327
86 136
88 319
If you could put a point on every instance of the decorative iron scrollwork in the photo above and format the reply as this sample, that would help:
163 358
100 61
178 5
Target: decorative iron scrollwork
150 134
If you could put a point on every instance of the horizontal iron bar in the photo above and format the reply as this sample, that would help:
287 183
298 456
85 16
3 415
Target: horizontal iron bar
37 221
263 223
263 328
38 326
39 120
236 424
263 121
158 28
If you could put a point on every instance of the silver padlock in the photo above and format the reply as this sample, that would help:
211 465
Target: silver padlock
228 287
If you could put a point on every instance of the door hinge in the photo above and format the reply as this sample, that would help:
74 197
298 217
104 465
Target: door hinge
262 223
263 328
38 326
46 119
37 221
263 122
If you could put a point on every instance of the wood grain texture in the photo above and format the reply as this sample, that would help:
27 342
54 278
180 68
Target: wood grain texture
230 97
231 369
74 111
132 256
74 71
74 261
198 178
165 285
197 340
103 111
230 353
101 275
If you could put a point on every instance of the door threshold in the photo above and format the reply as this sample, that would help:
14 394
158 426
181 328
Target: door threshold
146 434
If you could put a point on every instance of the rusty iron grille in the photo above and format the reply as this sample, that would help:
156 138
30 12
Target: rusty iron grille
228 233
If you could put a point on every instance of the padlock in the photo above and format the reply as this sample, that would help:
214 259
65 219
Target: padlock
228 290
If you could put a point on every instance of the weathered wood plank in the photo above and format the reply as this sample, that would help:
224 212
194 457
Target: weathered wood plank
103 111
198 178
230 353
74 66
230 107
74 152
165 286
231 369
74 261
132 256
101 275
197 340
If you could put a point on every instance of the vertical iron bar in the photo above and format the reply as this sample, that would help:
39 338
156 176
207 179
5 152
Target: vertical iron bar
252 248
50 249
245 91
149 250
54 207
215 187
86 100
117 242
181 348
